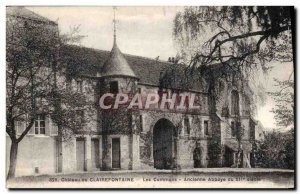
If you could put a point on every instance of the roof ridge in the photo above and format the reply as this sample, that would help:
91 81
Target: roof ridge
35 16
126 54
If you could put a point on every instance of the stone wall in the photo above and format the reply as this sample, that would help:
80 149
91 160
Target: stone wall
185 142
36 155
124 149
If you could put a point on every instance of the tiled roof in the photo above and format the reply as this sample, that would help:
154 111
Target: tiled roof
116 65
89 62
20 11
81 61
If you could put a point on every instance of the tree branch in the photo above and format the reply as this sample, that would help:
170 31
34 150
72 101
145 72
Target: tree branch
26 130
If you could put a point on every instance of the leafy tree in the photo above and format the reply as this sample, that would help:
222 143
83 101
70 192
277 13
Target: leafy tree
277 155
240 38
284 99
26 76
237 41
280 155
35 82
284 116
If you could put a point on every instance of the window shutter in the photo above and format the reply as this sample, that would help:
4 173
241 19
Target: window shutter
31 131
132 122
19 127
25 124
53 128
47 125
190 123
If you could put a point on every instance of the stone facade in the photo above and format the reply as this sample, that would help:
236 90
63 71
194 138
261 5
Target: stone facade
131 144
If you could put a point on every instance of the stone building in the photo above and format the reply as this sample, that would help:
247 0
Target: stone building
139 139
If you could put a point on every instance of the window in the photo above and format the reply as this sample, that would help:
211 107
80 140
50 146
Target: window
142 123
235 109
39 124
221 87
232 129
113 86
79 85
247 106
238 128
80 115
206 127
68 84
187 127
140 90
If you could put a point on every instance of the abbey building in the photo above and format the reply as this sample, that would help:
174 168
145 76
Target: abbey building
138 138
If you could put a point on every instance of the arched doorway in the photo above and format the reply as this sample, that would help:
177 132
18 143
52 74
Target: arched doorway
164 145
197 154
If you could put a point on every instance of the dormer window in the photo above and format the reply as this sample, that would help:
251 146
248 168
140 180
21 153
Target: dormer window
114 87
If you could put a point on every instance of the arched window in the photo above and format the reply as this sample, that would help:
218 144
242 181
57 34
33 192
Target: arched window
221 86
247 106
235 109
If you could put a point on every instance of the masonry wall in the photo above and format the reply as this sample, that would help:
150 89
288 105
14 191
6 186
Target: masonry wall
36 155
186 143
124 149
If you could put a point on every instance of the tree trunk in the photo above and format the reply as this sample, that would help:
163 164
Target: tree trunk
238 157
12 160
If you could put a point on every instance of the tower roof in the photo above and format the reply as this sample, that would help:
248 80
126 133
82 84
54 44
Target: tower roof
116 64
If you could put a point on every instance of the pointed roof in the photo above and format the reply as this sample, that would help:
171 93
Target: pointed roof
116 64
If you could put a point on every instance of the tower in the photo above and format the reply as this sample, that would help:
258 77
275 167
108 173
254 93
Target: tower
118 129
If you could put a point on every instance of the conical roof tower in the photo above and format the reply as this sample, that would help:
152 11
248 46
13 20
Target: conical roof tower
116 64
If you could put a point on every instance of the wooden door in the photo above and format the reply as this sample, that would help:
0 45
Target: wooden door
95 153
80 154
116 153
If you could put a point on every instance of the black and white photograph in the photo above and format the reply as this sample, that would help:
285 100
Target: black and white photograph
150 97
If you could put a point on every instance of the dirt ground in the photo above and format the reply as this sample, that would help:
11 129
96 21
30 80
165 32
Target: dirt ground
199 178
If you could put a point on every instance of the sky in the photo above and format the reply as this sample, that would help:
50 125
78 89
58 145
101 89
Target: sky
281 71
143 31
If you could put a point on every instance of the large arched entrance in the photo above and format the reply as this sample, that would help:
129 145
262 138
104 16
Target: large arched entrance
164 145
